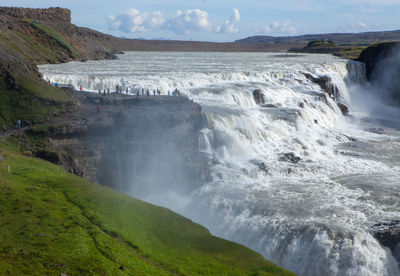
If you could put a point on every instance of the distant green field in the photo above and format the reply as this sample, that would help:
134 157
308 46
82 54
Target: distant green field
53 222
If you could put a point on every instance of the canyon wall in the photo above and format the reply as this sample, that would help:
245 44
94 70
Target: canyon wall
374 54
135 144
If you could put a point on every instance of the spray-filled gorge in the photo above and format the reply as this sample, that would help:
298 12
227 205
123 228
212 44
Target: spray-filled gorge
291 178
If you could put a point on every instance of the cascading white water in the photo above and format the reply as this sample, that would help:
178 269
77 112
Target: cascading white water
286 178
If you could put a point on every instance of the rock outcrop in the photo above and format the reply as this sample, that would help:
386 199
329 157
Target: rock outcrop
258 96
343 108
133 144
388 234
374 54
50 14
383 68
290 157
326 85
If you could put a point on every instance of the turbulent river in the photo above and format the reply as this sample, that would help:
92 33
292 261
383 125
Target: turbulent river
293 179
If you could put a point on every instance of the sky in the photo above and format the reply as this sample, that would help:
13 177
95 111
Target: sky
225 20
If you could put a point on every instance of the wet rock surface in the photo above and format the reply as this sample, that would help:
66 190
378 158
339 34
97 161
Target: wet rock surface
374 54
326 85
290 157
258 96
343 108
382 64
270 106
261 165
131 143
388 234
108 55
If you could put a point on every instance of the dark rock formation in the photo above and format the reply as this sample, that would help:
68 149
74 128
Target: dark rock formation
67 87
326 85
261 165
10 81
388 234
343 108
290 157
259 97
383 69
108 55
134 144
270 106
375 54
50 156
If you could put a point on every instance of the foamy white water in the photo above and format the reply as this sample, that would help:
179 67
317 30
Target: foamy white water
312 217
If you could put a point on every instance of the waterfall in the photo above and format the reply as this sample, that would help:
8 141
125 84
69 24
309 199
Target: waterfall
292 178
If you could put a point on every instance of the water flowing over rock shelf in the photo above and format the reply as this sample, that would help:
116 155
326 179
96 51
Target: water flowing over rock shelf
280 158
295 156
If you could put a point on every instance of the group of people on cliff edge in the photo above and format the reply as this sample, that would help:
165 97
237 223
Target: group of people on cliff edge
120 89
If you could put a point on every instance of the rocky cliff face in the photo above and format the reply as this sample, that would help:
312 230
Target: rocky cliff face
136 145
388 234
375 54
383 68
51 14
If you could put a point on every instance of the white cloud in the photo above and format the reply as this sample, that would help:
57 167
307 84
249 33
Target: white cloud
183 22
188 21
236 15
359 24
280 28
229 26
133 20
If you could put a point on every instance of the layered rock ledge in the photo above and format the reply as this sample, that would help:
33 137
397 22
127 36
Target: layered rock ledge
112 139
50 14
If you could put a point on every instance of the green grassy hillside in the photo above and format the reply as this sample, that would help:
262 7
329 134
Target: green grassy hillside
53 222
26 42
23 94
31 100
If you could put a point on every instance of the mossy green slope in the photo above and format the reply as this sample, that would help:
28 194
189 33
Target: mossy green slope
23 94
24 43
31 100
53 222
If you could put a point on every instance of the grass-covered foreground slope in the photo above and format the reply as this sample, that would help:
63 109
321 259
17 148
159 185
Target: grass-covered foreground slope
52 222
